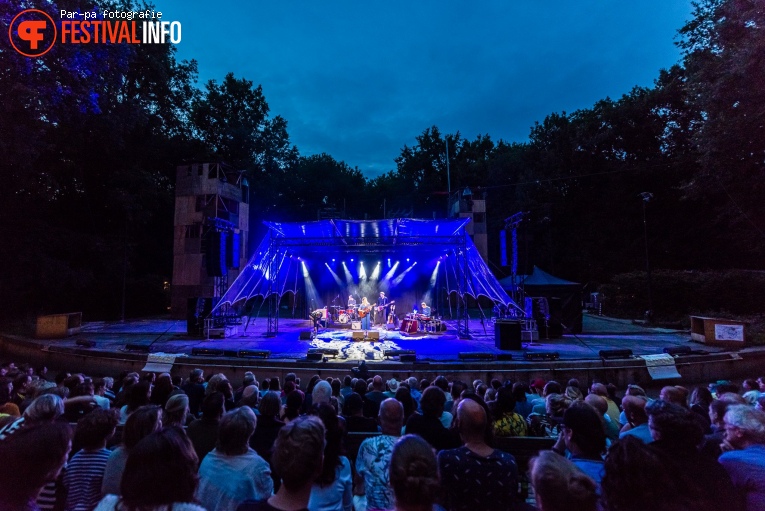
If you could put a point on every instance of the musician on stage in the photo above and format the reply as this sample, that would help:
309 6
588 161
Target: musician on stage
365 309
351 302
382 309
425 309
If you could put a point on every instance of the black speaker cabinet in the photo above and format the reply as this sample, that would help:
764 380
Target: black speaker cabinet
305 335
507 335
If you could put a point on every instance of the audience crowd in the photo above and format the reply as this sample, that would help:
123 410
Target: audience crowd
160 443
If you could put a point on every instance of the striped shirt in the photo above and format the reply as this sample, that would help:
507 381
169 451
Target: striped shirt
83 477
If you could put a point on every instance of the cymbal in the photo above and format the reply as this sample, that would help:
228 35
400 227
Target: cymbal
336 306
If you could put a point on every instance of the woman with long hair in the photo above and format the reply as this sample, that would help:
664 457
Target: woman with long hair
160 475
332 490
414 474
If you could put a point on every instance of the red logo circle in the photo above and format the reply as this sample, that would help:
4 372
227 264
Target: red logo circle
32 33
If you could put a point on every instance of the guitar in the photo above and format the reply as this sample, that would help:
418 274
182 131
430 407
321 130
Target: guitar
364 311
381 308
392 313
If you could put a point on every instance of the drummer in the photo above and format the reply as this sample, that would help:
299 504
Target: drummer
351 302
425 309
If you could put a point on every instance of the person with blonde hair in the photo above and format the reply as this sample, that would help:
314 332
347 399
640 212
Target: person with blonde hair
559 485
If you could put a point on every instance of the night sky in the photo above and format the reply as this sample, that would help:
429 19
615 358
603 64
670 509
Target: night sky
360 79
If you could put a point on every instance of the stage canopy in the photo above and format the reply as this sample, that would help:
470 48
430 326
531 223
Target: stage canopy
293 253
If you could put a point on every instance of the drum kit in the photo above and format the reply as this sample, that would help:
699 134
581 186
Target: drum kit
419 323
345 316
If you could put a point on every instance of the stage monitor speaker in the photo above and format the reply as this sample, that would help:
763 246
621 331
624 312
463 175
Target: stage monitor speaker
142 348
254 353
305 335
507 335
408 358
373 335
678 350
553 355
611 354
397 353
216 254
85 343
232 249
314 355
206 352
357 335
475 356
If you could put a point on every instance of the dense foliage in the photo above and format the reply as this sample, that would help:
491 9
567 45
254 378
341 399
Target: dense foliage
91 137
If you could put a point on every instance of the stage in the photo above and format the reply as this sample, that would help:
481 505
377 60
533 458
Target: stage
110 347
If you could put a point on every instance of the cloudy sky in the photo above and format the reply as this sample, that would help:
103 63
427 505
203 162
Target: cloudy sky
360 79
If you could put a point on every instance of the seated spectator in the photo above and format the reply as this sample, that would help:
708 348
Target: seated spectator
639 478
540 405
225 388
195 389
336 394
332 490
141 423
322 394
249 379
355 422
428 425
523 404
203 432
613 409
85 471
250 397
610 428
574 394
99 393
404 396
373 460
294 403
160 474
673 395
745 461
347 387
559 485
374 397
637 419
413 474
32 456
298 457
476 476
583 436
677 433
701 398
751 391
268 426
507 422
162 389
233 472
392 387
138 395
176 411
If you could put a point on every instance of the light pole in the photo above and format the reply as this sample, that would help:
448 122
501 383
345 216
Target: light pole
647 197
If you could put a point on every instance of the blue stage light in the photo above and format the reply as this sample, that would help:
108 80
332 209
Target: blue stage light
333 260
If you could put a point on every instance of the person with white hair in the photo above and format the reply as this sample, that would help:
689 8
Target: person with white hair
744 458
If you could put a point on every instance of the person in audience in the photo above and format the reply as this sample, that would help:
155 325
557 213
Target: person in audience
195 389
338 396
99 394
374 397
610 427
523 403
673 395
373 460
744 456
700 400
141 423
476 476
413 474
322 394
176 411
85 471
574 393
249 379
298 455
21 386
332 490
160 475
428 424
347 387
559 485
294 404
639 478
233 472
637 419
203 432
583 437
138 395
613 409
250 397
404 396
31 457
415 389
677 432
268 425
225 388
162 389
355 422
507 422
540 405
213 382
751 391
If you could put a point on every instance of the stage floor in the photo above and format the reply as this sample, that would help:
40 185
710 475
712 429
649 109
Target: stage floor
169 336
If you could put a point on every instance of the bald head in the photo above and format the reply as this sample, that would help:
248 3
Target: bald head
673 395
471 420
597 402
377 382
599 390
634 409
391 417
